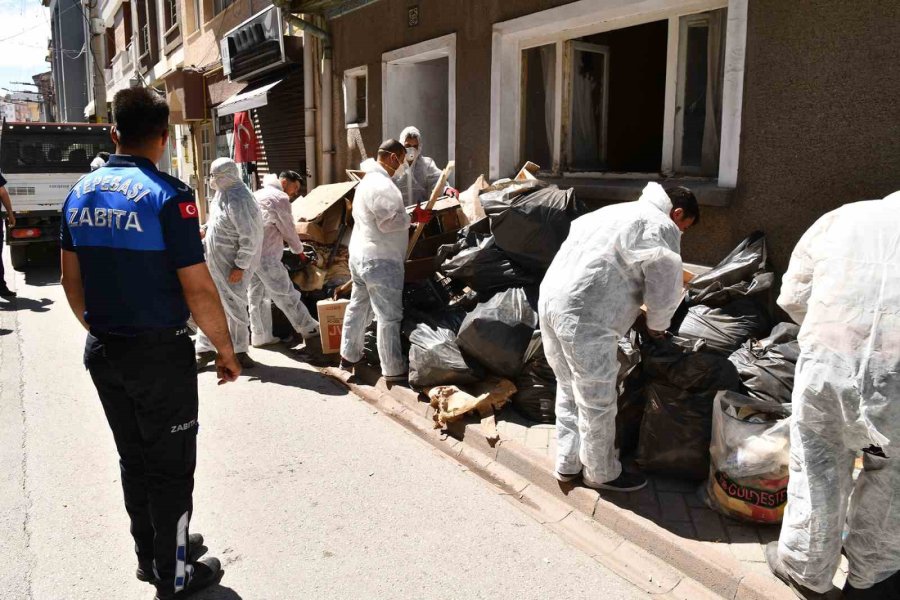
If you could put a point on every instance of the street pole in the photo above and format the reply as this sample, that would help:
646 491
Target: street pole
97 57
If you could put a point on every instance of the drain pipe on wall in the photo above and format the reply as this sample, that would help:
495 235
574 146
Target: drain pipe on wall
309 113
309 31
326 114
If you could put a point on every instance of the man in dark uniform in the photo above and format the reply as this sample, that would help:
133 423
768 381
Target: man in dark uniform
133 271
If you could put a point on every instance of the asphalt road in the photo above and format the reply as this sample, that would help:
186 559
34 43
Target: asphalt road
302 490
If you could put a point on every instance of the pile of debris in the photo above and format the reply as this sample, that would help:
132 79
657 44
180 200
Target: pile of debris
475 319
709 402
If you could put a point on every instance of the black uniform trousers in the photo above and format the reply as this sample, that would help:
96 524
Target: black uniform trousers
147 384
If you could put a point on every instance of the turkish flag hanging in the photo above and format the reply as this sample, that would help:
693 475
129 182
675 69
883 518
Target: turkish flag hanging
244 138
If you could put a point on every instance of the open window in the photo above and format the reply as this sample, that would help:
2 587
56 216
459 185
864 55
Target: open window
620 90
698 108
607 112
356 91
171 25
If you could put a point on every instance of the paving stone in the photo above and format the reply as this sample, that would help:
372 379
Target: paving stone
673 506
742 534
680 528
666 484
537 439
708 525
748 552
695 500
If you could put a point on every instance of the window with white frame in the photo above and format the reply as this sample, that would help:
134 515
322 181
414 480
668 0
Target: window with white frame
598 103
356 91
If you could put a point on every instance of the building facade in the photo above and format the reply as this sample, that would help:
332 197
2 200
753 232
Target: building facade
69 59
773 112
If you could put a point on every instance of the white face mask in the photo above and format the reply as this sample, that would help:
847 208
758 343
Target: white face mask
411 154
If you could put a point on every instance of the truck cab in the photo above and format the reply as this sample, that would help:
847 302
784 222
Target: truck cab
41 162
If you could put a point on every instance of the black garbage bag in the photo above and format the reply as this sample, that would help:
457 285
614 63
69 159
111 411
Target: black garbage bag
530 226
435 359
497 333
680 386
767 366
536 385
740 274
485 268
631 400
447 318
425 295
725 329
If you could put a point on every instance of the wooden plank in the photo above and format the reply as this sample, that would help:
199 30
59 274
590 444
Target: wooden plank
435 194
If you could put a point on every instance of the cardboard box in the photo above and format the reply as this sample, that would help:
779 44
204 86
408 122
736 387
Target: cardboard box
331 323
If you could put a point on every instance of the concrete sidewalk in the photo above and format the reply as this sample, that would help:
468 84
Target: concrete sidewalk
668 518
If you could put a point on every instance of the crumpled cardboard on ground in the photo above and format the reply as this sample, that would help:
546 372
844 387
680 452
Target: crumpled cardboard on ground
451 403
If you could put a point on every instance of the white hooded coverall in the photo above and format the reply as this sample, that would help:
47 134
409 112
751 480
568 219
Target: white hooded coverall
418 180
271 282
233 237
614 260
843 288
377 252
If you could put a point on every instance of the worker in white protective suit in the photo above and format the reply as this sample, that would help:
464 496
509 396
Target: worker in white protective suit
271 282
377 253
417 181
233 238
843 288
614 260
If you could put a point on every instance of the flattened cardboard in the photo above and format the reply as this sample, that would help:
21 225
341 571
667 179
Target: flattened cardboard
314 205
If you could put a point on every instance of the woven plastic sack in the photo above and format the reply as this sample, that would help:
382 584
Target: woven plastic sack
749 453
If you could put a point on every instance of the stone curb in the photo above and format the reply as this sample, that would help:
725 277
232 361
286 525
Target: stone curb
649 556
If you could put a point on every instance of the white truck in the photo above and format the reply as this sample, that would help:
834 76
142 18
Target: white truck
41 162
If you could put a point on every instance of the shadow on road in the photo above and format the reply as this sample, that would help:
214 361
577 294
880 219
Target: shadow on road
5 331
217 592
16 304
42 276
294 377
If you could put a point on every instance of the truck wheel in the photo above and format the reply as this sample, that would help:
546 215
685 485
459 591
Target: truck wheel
19 257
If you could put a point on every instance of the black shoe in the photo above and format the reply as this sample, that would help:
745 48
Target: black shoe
207 572
392 380
145 567
348 366
312 345
626 482
244 359
780 570
5 292
204 359
565 477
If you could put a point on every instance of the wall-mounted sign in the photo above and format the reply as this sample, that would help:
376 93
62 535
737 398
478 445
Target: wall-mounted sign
255 46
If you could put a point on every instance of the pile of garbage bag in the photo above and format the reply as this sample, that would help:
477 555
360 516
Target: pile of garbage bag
531 222
725 329
679 383
732 302
476 261
741 274
435 359
536 385
766 367
497 333
750 451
